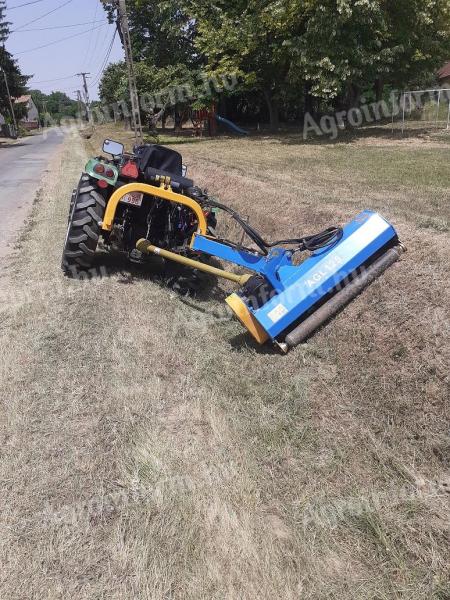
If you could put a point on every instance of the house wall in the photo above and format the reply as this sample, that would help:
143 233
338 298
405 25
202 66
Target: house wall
31 119
29 125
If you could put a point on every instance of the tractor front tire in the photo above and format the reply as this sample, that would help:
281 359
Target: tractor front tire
87 208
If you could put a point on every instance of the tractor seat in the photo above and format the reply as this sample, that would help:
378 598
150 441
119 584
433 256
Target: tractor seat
154 160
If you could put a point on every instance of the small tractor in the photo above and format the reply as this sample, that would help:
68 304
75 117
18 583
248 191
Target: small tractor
143 204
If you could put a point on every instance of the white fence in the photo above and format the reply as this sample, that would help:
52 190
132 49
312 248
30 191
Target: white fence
433 106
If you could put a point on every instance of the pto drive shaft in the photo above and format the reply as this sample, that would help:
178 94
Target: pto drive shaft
146 247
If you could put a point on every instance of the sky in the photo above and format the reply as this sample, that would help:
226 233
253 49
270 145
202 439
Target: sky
86 50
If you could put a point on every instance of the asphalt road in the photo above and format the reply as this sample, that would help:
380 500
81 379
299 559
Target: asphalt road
22 165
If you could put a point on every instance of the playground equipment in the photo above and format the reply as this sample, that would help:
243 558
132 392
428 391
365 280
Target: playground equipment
231 125
204 122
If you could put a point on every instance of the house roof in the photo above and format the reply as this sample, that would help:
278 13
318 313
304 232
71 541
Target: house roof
444 72
22 99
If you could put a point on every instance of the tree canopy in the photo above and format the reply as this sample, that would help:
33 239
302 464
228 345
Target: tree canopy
290 55
56 105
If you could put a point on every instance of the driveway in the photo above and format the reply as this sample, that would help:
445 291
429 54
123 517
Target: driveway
22 165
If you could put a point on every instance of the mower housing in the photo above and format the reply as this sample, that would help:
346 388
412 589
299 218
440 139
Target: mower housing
294 292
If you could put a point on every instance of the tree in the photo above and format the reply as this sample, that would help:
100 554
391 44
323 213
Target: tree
296 55
161 32
4 25
174 87
418 41
8 66
246 38
114 83
339 47
56 105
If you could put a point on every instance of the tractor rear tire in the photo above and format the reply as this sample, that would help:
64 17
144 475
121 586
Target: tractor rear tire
87 208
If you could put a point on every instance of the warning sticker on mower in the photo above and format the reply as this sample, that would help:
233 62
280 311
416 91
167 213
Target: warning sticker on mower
277 313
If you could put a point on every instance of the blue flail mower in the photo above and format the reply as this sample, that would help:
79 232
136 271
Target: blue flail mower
287 303
283 302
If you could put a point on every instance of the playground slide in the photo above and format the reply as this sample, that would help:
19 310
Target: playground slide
230 125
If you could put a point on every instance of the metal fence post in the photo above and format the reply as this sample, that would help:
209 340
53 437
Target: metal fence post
438 106
404 107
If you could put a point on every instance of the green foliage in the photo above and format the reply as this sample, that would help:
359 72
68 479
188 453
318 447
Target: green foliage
342 43
288 54
114 83
161 32
4 25
56 105
16 81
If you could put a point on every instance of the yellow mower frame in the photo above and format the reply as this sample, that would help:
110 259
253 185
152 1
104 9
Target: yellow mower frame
164 191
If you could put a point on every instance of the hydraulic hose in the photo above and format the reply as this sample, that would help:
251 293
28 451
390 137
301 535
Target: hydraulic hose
312 242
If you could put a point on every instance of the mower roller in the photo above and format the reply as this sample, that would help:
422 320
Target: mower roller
143 204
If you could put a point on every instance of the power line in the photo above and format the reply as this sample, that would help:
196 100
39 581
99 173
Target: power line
25 4
52 80
58 41
98 57
90 37
97 37
58 26
44 15
98 76
86 94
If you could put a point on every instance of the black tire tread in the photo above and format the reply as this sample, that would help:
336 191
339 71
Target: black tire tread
87 210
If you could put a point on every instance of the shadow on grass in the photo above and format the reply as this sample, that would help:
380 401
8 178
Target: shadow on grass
294 136
243 342
203 300
351 136
171 276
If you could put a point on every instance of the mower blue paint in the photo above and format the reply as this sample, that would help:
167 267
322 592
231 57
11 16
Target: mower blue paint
249 260
265 265
306 284
298 288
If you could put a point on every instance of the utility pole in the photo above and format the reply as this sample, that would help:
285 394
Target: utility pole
124 31
86 95
80 103
44 110
13 115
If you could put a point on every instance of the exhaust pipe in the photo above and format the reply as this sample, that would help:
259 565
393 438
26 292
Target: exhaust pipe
341 299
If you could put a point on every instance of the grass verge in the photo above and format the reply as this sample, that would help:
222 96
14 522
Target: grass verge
150 450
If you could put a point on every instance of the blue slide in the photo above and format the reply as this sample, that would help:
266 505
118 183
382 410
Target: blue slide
231 125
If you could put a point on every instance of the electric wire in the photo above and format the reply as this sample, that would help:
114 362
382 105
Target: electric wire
90 37
52 80
97 37
44 15
98 76
22 5
56 27
59 41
